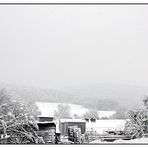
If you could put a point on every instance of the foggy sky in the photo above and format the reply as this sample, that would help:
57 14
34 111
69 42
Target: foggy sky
59 46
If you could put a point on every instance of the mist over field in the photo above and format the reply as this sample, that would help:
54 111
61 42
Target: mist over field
99 96
90 55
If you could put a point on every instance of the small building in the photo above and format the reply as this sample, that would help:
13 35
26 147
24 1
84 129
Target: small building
47 130
64 124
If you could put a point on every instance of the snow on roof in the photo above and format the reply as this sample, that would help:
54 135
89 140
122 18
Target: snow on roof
71 120
46 116
45 122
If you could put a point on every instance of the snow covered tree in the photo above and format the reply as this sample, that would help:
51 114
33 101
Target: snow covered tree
137 123
33 109
16 122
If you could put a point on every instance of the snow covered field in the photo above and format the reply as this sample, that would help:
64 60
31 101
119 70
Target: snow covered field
138 141
101 125
47 109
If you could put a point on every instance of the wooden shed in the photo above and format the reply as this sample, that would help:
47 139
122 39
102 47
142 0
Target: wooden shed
64 124
47 130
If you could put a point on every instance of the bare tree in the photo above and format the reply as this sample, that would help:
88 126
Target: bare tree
120 113
63 111
76 116
91 114
145 101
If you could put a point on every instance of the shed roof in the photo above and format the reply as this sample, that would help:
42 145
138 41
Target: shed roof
72 120
46 116
46 122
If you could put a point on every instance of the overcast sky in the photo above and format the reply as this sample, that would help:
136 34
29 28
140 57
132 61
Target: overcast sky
59 46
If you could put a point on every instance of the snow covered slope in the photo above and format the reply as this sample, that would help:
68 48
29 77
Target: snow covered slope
47 109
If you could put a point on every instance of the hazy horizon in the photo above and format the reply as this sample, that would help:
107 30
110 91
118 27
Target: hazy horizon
63 46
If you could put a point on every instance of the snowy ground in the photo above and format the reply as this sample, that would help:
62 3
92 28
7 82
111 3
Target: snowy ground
48 109
138 141
101 125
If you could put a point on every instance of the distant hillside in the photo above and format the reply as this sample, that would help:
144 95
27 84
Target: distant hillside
126 95
99 96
